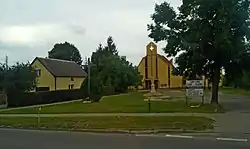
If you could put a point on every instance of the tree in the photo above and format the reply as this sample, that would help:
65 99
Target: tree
109 70
66 51
242 81
17 78
210 34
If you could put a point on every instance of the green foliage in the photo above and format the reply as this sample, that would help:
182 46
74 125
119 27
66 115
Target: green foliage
210 34
20 99
17 78
66 51
242 81
108 69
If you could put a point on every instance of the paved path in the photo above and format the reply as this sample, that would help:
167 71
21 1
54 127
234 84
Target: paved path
237 119
26 139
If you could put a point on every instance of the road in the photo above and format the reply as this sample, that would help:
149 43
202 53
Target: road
28 139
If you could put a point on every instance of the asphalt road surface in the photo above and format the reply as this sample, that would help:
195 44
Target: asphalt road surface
27 139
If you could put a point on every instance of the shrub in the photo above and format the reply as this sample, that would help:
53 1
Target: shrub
108 90
3 99
18 99
95 97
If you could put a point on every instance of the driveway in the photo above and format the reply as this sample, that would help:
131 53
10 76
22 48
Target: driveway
236 103
237 119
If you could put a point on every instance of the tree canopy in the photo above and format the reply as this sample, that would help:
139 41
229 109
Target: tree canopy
242 81
66 51
17 78
108 69
210 35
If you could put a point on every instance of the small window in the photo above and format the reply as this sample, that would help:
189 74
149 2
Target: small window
71 86
183 82
38 73
72 79
42 89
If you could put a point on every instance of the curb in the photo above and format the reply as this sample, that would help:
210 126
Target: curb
118 131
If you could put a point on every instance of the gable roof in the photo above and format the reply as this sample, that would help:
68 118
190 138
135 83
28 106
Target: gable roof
62 68
165 59
161 57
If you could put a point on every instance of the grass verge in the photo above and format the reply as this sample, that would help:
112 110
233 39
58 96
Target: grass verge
137 123
235 91
127 103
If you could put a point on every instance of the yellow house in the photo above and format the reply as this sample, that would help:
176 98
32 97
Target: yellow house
158 69
54 74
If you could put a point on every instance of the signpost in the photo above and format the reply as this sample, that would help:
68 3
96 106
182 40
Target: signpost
195 88
39 116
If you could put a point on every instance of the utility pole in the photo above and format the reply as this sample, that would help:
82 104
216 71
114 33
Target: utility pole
6 61
89 76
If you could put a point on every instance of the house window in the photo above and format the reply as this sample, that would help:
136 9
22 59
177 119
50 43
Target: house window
183 82
156 62
146 68
71 78
38 72
169 76
38 89
146 72
71 86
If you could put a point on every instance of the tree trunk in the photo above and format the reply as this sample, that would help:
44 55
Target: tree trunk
215 86
235 85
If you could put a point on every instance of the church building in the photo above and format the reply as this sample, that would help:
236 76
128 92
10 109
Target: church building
158 69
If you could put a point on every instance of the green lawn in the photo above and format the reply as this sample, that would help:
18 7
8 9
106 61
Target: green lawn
113 122
127 103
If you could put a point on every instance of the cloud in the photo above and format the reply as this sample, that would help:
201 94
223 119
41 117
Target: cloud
76 29
36 34
16 34
30 28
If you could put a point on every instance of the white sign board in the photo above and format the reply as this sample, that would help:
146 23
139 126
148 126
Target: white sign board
195 83
192 92
194 88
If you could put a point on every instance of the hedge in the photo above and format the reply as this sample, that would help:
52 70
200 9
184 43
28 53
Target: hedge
45 97
20 99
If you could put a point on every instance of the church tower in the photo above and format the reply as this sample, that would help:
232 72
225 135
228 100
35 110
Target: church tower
156 69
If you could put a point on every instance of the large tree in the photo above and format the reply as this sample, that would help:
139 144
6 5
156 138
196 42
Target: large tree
108 69
66 51
17 78
210 35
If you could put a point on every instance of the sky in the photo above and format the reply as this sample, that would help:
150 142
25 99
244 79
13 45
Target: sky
30 28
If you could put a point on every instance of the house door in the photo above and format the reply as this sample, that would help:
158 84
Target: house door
148 84
156 82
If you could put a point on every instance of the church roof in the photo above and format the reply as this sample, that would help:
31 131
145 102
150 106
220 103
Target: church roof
161 57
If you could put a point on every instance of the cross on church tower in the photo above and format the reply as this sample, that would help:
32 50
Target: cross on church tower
151 48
